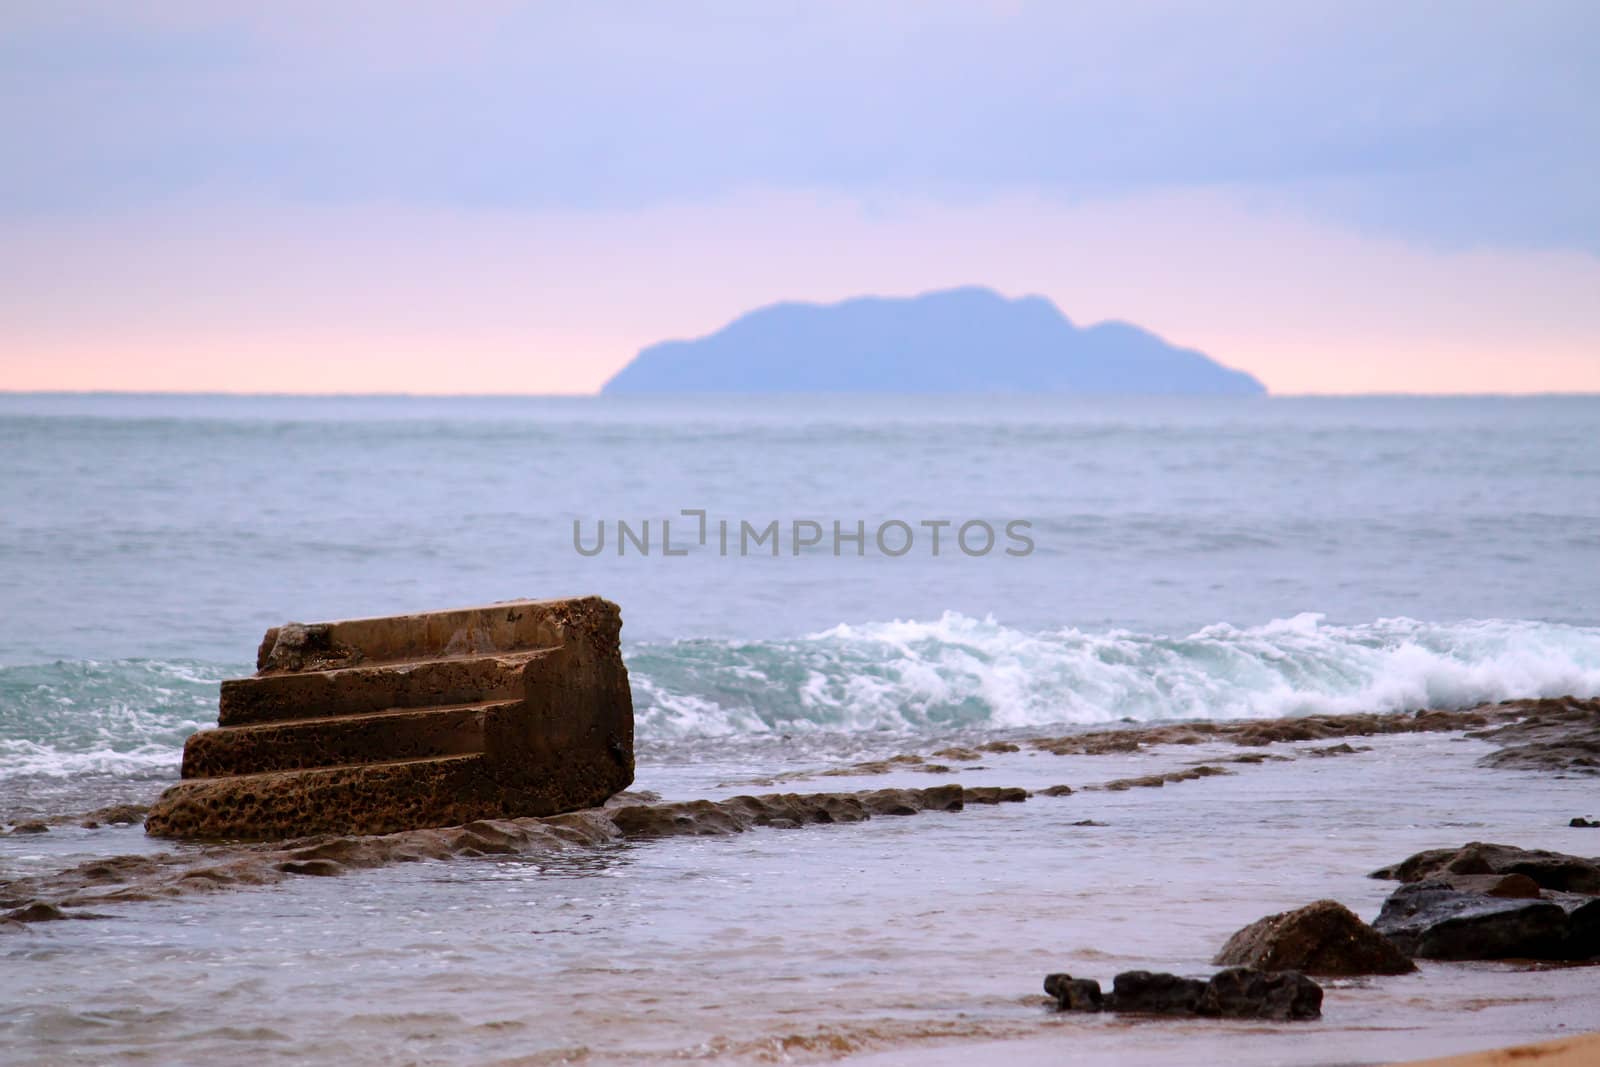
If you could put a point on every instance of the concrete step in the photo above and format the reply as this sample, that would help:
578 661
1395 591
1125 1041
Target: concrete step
369 688
510 626
368 798
376 737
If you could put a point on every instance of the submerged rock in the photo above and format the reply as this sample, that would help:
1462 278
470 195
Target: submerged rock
1322 938
1074 994
378 725
994 794
1156 993
1248 993
1233 993
116 815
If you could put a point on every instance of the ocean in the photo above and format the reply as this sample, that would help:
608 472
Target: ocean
1100 561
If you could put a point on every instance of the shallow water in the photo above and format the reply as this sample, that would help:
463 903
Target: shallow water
1193 560
803 944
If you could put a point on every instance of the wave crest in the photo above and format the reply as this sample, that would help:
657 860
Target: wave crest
959 671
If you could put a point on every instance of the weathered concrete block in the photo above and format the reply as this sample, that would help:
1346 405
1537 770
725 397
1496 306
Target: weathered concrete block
376 725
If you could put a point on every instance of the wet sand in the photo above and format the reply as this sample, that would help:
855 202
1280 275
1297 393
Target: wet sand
1580 1051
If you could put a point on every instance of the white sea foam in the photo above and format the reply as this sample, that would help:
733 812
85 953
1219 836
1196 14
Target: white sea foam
963 671
128 719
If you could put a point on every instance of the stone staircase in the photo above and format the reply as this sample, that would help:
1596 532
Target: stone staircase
375 725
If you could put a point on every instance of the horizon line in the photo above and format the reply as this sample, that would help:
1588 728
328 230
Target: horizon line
600 395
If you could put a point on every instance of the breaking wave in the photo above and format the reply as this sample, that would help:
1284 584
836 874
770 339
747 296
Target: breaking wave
959 671
128 718
122 719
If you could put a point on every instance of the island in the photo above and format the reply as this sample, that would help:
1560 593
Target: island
965 340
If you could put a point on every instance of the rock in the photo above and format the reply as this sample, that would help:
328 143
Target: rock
994 794
1248 993
116 815
1579 820
1560 734
1505 886
1261 732
371 726
959 754
999 746
1233 993
32 827
1323 938
1434 920
1583 932
37 912
1056 791
1155 993
1074 994
1156 781
1551 870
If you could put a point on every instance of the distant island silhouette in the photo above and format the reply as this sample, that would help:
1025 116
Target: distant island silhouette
966 340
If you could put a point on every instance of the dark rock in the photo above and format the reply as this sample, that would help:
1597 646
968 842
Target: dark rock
37 912
1583 932
320 868
1056 791
1579 820
1156 781
1247 993
1551 870
1561 734
117 814
994 794
1433 920
1074 994
32 827
1321 938
1344 748
1505 886
1156 993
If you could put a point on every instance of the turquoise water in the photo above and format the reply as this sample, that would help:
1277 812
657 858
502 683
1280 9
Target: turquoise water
1190 558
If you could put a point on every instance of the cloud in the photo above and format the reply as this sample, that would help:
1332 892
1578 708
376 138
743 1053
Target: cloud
1456 124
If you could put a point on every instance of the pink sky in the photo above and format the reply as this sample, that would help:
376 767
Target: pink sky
290 298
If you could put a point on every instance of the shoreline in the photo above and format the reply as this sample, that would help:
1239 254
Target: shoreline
1109 838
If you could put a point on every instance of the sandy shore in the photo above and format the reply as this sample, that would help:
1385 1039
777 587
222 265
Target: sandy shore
1580 1051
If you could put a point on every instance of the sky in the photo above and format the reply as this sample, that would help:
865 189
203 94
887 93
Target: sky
515 198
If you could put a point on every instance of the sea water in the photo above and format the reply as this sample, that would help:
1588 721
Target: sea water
1184 559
